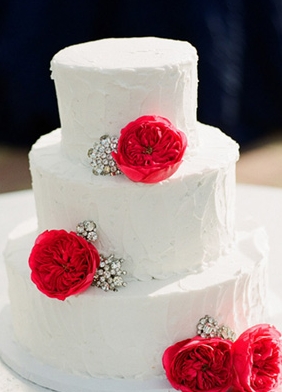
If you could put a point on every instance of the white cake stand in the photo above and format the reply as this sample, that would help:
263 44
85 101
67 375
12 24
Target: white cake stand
20 372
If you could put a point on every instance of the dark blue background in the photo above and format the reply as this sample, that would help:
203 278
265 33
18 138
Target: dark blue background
239 44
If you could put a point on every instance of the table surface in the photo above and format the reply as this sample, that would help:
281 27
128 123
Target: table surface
262 204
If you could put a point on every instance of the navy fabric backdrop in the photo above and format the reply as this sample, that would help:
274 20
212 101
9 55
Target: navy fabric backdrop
239 44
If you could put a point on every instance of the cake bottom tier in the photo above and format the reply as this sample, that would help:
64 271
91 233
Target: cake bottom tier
124 334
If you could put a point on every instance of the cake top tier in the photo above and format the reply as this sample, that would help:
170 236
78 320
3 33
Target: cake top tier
125 53
103 85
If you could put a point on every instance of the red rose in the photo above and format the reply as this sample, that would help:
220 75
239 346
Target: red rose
199 364
257 359
62 264
150 149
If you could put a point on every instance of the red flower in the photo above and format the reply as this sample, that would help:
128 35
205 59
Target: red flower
257 359
199 364
150 149
62 264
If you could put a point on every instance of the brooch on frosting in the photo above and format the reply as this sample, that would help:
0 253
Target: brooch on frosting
101 158
109 274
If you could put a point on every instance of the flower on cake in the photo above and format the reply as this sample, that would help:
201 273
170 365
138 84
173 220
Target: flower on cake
210 363
199 364
150 149
62 263
257 359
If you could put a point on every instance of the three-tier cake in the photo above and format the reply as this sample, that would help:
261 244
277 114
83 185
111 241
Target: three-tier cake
174 231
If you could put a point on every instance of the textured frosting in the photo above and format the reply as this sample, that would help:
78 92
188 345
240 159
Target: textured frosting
103 85
178 225
124 334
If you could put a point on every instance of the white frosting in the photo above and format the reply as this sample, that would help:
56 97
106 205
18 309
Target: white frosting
124 333
103 85
178 225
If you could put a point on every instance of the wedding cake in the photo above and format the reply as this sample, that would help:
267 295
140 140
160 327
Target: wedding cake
134 178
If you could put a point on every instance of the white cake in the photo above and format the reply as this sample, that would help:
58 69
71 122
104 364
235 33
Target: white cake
177 237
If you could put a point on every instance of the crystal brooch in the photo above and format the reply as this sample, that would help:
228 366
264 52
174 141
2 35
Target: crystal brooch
109 275
101 156
87 230
208 327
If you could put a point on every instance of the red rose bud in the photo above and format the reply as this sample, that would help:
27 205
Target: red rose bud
257 356
62 264
199 364
150 149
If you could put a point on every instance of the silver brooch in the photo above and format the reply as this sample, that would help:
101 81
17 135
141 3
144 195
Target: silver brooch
101 156
87 230
109 274
208 327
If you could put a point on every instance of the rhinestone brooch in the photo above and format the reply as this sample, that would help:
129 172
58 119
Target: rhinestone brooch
87 230
208 327
109 275
101 156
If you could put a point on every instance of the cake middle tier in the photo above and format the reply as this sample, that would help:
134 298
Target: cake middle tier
176 226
